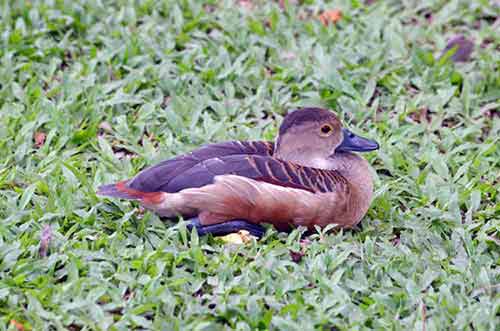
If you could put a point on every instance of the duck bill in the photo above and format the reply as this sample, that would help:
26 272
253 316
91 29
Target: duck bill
355 143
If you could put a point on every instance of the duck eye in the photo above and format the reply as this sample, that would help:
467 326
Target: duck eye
326 130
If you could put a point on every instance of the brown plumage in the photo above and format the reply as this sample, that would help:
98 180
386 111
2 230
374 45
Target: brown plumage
310 177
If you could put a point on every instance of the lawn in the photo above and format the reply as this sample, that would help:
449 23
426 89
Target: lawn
93 91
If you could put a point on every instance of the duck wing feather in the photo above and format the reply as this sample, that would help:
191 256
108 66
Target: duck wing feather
158 178
260 168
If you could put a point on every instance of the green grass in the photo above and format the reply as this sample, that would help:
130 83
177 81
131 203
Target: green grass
118 85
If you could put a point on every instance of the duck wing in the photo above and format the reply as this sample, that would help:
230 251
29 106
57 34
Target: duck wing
260 168
157 178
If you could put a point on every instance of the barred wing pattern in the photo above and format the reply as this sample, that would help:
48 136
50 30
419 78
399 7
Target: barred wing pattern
261 168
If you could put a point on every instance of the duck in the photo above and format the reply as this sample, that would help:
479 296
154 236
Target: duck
310 176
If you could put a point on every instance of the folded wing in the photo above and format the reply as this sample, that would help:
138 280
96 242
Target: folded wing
260 168
158 178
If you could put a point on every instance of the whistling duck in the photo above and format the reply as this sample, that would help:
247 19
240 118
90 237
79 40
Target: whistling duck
309 176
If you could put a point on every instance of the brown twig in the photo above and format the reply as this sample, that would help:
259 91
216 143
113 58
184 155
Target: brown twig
424 314
45 238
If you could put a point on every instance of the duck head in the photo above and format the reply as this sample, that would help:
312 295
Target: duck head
313 137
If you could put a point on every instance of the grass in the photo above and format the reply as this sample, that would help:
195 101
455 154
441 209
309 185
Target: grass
91 92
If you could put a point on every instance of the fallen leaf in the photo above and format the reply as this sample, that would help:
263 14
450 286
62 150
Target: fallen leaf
491 110
165 102
330 16
19 326
128 294
461 47
139 212
396 240
486 42
39 138
198 293
45 238
240 237
422 115
268 72
121 152
296 256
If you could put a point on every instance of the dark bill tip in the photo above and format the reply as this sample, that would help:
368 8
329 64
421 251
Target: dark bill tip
355 143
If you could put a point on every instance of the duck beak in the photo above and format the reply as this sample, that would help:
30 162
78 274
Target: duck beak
355 143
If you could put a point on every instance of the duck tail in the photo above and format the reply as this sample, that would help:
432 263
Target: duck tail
121 190
116 190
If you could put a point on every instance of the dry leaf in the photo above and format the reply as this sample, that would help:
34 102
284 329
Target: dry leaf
121 152
128 294
19 326
463 48
45 240
165 102
39 139
296 256
240 237
421 115
330 16
491 110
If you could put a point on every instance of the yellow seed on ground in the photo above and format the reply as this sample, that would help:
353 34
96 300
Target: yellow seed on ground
238 238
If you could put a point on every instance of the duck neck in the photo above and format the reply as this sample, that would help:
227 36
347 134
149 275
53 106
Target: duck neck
305 158
357 171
